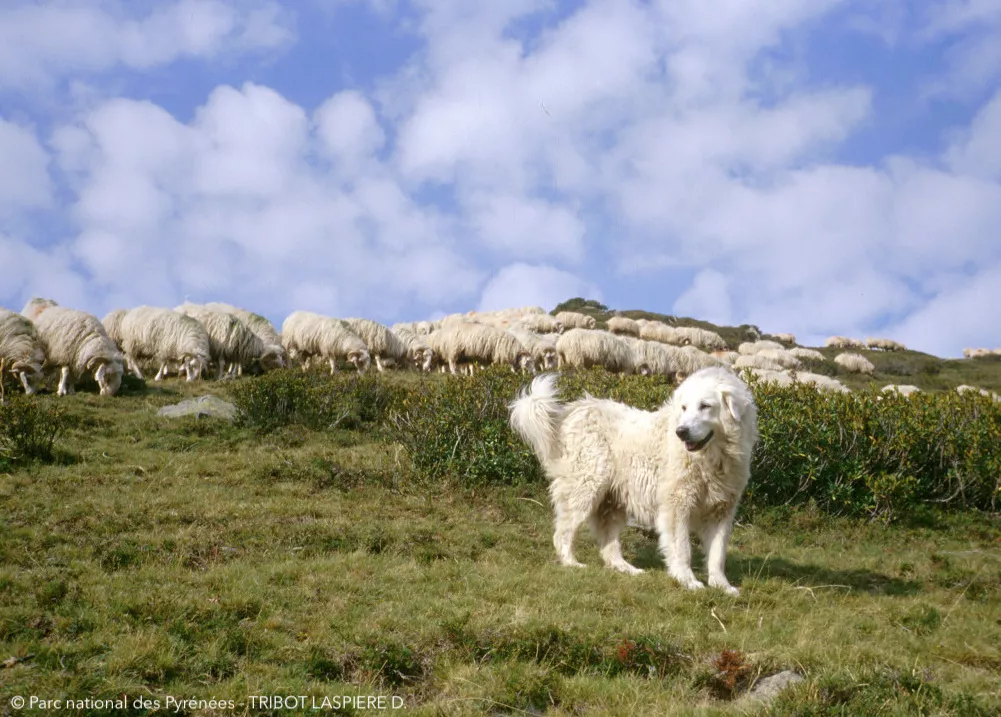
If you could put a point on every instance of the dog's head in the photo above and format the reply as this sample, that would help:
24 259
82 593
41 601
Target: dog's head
708 406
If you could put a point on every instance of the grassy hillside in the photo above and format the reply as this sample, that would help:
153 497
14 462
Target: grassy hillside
305 555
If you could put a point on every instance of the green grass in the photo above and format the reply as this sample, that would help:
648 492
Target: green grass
198 559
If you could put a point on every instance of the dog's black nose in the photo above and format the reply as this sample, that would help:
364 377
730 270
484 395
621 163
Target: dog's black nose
683 433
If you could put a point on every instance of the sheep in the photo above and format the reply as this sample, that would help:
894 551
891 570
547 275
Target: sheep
263 328
787 339
749 348
652 357
112 323
883 344
982 391
542 324
819 381
807 354
164 337
843 342
855 363
479 344
384 346
976 353
76 343
542 347
770 376
623 326
36 306
418 351
307 335
727 357
781 357
757 361
658 331
575 320
701 338
583 348
904 390
21 350
232 342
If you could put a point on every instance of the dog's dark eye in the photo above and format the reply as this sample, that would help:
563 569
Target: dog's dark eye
703 406
684 408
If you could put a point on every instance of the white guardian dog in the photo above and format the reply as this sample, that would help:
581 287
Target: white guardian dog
680 468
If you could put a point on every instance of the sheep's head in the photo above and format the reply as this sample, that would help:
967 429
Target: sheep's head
272 358
109 376
30 373
425 359
360 360
550 360
524 362
194 366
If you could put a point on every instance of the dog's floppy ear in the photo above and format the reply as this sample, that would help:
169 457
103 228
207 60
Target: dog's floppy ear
734 402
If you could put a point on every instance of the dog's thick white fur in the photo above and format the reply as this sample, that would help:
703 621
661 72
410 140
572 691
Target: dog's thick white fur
681 468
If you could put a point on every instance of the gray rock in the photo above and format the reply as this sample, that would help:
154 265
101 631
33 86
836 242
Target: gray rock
201 406
768 688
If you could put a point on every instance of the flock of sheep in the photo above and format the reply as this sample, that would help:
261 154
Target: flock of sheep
191 339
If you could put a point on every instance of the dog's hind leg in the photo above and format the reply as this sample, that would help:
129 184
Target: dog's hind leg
715 536
568 521
675 545
606 525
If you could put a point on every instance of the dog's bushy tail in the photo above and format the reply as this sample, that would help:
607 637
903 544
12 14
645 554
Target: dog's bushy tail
536 414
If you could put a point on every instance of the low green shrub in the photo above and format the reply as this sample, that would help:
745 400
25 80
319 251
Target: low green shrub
28 430
286 398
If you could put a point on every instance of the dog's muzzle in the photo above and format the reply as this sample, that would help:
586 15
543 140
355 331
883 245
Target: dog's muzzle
692 446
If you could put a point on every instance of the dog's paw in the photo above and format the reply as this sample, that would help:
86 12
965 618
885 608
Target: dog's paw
573 564
725 587
628 569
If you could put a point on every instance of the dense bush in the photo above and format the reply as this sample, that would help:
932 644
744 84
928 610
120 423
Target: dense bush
285 398
28 430
874 453
862 453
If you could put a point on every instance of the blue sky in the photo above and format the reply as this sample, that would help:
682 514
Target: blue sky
811 166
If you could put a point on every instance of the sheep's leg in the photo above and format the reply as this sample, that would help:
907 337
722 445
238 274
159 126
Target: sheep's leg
451 366
378 363
64 382
28 390
133 366
333 366
161 373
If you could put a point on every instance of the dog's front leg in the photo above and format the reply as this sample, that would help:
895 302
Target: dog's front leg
675 545
715 537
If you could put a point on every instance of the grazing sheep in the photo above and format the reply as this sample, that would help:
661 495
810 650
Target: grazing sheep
982 391
904 390
764 375
575 320
653 357
542 347
787 339
584 348
976 353
232 343
781 357
855 363
21 350
727 357
843 342
36 306
807 354
479 343
306 335
819 381
164 337
419 353
701 338
749 348
76 343
623 326
264 329
883 344
542 324
658 331
757 361
384 346
112 323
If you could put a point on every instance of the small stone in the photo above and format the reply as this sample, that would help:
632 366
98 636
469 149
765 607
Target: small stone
768 688
201 406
